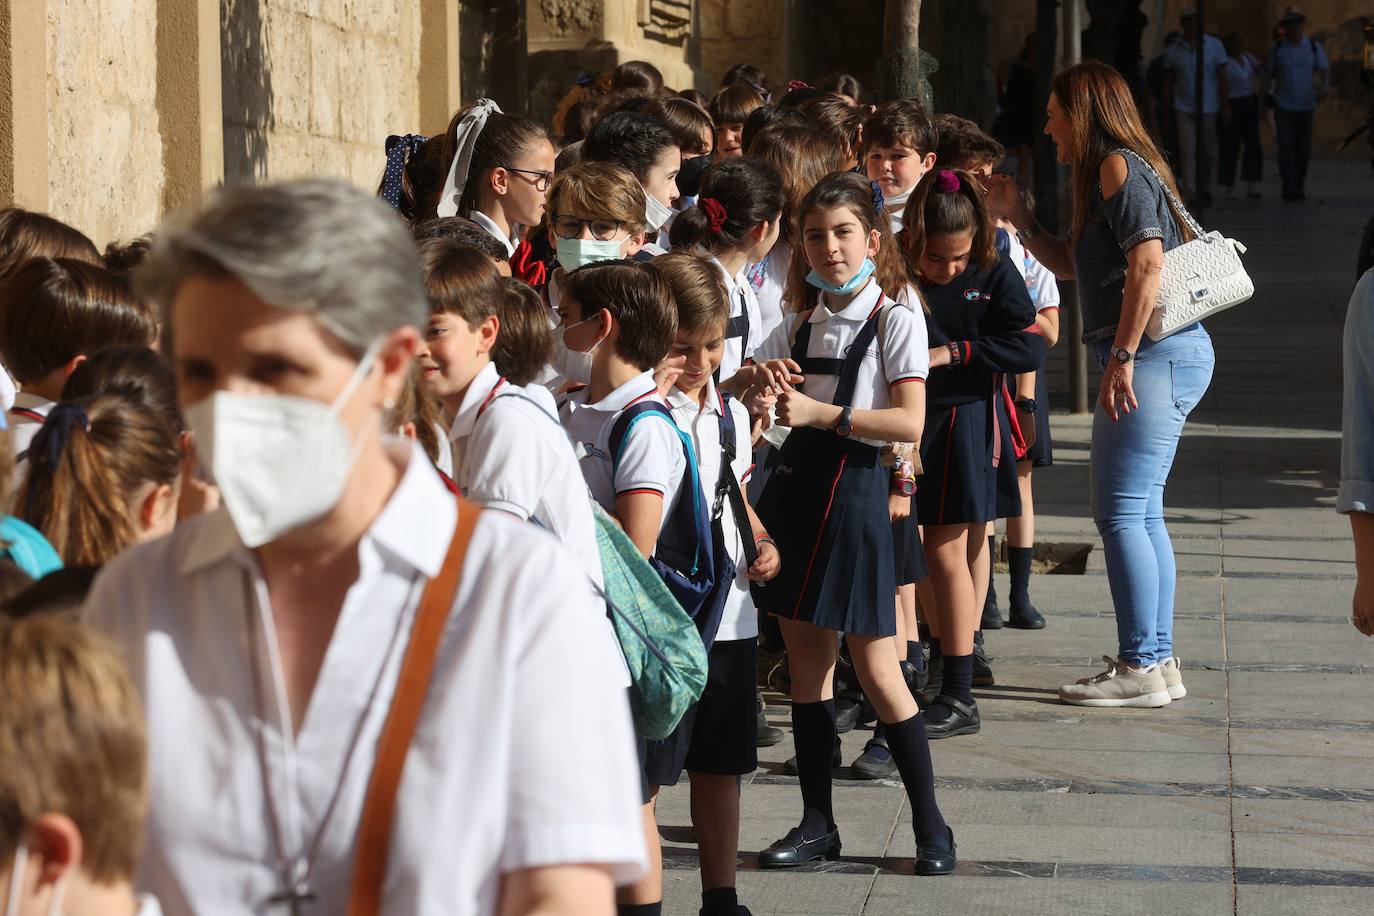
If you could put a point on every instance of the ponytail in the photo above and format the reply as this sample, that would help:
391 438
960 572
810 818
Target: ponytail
88 468
737 194
945 202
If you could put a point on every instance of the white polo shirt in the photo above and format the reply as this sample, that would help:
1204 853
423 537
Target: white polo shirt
702 423
26 419
771 291
742 302
898 355
524 755
7 389
652 460
511 241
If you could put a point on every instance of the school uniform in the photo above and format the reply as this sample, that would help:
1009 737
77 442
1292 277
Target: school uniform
522 662
26 418
7 390
718 735
987 312
1044 293
769 281
511 241
652 460
742 333
826 503
908 553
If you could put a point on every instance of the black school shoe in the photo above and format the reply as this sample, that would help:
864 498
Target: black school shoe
836 761
982 671
961 719
768 735
848 714
795 849
935 860
1026 617
740 910
935 680
992 617
876 761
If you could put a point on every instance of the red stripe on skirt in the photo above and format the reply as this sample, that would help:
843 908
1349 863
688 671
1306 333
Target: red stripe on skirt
820 535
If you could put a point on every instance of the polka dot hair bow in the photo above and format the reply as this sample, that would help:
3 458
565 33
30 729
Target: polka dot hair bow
399 149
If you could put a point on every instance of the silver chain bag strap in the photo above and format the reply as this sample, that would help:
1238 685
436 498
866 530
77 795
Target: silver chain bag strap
1200 278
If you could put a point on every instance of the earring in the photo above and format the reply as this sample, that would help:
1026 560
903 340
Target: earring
389 404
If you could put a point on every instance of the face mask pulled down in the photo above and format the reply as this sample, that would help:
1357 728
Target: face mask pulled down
850 285
280 461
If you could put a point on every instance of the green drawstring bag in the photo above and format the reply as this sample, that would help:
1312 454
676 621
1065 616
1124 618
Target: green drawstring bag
662 647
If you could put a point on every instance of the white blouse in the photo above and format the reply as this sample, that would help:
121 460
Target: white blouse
524 756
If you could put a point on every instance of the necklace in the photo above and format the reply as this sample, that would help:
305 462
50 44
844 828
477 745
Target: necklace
297 892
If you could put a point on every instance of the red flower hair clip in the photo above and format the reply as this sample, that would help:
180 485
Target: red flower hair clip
716 214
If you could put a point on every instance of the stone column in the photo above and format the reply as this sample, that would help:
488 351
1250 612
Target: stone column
23 104
189 99
438 75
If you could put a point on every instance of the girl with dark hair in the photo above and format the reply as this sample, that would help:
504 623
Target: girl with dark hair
637 76
847 373
499 167
729 110
734 223
981 325
844 85
649 151
749 76
414 175
1124 220
836 116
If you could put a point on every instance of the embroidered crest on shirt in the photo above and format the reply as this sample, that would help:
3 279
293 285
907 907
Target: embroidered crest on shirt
973 295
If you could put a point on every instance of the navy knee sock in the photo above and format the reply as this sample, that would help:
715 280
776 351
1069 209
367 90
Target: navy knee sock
958 681
639 909
911 751
813 731
1019 559
719 901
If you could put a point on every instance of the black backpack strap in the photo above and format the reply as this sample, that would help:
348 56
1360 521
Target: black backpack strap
728 488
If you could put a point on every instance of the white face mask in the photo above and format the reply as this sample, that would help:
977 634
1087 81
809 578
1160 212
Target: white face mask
574 365
897 202
280 461
655 214
15 892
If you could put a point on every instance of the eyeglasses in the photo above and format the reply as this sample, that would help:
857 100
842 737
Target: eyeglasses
603 230
540 180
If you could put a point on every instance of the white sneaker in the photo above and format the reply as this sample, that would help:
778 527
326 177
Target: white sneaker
1173 677
1118 686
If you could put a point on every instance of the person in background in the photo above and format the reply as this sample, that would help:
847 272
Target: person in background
54 313
464 232
650 152
749 76
1356 496
637 76
1298 72
1240 133
844 85
74 784
293 315
1180 90
729 110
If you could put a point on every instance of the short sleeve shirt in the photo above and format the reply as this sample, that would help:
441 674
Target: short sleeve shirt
1136 213
898 355
194 619
1357 409
701 421
1293 67
1181 58
652 460
738 350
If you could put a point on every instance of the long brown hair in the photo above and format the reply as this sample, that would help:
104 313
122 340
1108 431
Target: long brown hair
88 466
1099 105
802 156
856 193
948 202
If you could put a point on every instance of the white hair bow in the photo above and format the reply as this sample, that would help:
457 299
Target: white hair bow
464 142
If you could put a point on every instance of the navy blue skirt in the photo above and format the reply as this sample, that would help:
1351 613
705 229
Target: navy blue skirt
1041 454
959 485
826 506
908 555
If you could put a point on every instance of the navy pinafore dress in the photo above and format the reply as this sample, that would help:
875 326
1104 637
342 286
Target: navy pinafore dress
826 506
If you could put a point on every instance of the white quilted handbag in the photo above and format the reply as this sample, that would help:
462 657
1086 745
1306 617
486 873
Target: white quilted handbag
1200 278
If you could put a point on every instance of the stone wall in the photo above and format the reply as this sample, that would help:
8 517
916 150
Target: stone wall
313 87
105 173
739 31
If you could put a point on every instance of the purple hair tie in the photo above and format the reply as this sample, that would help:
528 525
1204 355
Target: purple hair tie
947 182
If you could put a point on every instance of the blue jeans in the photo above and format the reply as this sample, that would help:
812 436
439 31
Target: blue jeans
1131 458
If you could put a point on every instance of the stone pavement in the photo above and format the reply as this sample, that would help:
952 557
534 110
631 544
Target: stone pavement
1253 795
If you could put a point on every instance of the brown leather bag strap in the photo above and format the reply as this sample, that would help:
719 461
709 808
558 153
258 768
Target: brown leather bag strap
374 829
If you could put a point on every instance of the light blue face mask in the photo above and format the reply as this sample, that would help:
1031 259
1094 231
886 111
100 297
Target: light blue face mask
848 287
573 253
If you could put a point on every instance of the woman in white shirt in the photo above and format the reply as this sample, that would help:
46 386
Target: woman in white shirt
267 638
1241 130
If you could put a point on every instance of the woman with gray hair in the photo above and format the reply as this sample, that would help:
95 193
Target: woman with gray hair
308 654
